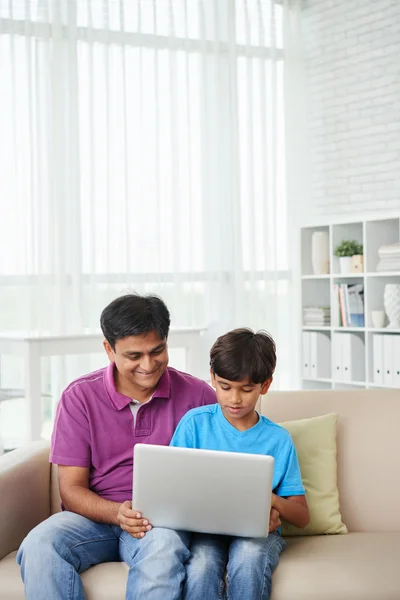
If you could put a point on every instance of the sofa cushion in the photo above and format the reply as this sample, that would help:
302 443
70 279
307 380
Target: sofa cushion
315 441
357 566
102 582
11 587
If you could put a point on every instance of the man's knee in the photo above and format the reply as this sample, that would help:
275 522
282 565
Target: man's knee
37 547
44 540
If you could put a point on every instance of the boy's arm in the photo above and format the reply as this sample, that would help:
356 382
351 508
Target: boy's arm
292 509
289 497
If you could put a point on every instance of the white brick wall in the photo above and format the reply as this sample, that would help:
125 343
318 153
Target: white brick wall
352 57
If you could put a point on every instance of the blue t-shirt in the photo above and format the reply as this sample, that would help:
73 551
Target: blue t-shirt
206 428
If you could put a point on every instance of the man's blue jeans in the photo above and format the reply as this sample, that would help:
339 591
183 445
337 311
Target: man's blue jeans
249 566
54 554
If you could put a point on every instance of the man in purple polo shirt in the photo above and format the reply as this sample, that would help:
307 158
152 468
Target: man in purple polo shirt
99 419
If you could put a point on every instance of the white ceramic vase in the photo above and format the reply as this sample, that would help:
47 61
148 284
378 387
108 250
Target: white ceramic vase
391 301
320 252
345 264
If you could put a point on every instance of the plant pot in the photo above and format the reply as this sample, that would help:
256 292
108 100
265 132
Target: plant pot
391 301
320 252
345 264
357 263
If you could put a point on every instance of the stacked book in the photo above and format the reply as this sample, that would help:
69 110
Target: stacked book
348 305
389 258
316 316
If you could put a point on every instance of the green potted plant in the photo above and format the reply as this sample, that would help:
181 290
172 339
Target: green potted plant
350 254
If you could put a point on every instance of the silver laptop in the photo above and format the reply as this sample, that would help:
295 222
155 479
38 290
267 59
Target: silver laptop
203 490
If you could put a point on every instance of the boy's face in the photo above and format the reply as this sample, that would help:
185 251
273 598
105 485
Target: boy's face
238 398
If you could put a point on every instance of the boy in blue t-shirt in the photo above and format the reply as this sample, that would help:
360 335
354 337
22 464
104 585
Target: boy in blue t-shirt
242 365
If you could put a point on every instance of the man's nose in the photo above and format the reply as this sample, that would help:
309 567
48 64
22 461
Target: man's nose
146 364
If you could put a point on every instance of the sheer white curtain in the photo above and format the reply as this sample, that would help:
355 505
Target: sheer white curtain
142 147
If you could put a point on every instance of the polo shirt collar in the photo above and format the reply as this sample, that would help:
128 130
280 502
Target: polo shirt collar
119 401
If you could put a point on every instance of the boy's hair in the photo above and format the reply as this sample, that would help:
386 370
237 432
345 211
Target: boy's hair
242 354
133 314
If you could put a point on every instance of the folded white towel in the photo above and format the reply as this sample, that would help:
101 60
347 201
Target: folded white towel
389 250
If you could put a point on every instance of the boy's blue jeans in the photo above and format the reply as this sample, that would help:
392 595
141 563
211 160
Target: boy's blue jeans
54 554
249 566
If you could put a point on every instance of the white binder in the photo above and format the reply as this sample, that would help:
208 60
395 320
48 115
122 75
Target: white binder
320 356
353 357
377 355
388 360
337 357
306 355
396 361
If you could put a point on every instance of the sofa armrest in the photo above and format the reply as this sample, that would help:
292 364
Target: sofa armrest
24 493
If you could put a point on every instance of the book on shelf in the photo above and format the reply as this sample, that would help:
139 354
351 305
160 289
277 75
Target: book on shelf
348 305
316 316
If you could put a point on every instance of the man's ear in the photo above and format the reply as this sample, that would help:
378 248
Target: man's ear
109 350
213 382
265 386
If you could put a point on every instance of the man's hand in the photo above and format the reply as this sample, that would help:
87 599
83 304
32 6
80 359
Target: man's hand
274 520
131 521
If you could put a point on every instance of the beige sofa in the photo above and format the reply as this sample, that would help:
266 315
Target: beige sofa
363 565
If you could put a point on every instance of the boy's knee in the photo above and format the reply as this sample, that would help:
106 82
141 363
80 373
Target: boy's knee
166 540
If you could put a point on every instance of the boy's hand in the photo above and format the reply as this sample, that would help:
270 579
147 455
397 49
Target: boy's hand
131 521
274 520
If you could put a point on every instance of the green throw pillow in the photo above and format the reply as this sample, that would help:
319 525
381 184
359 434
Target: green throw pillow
315 442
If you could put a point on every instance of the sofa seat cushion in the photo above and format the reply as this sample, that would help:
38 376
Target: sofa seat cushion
357 566
102 582
11 587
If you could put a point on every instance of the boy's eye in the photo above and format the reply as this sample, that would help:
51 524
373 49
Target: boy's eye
224 388
247 391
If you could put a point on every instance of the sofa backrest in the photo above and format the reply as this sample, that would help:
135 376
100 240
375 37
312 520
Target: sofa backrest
368 448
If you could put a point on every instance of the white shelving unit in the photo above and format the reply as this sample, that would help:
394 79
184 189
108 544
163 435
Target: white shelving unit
366 356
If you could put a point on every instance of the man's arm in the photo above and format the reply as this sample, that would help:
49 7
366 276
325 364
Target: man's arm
292 509
77 497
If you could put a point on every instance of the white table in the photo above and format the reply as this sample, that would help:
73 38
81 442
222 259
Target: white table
33 347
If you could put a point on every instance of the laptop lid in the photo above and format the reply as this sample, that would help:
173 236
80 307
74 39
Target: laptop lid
205 491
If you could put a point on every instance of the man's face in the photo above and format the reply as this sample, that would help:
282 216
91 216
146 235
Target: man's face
238 399
140 361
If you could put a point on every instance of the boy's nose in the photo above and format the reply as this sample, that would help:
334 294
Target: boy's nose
236 399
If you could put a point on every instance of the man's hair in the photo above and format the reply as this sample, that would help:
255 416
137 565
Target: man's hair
242 354
133 314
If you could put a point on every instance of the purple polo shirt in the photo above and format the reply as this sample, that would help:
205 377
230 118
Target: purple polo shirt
94 426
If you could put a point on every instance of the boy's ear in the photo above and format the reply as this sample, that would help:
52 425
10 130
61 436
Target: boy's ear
265 386
212 379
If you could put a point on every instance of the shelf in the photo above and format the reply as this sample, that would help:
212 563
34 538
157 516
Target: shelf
359 383
348 275
381 385
348 329
383 330
383 274
326 349
354 275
